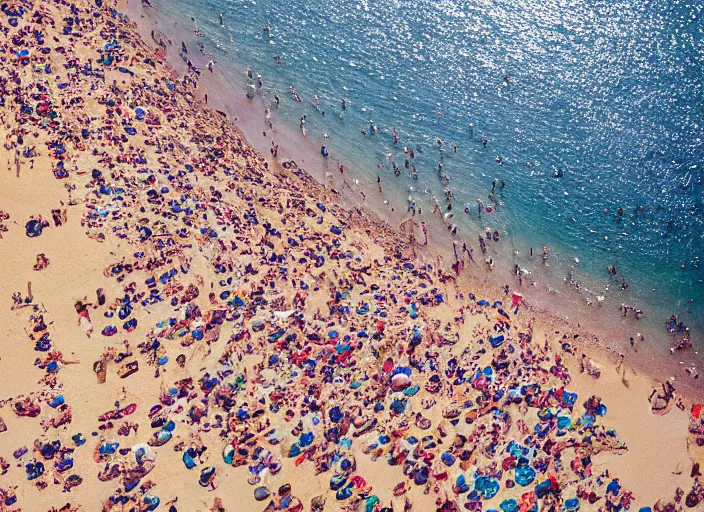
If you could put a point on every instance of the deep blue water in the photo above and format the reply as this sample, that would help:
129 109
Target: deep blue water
606 94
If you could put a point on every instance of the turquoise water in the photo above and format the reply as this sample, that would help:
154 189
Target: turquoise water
604 99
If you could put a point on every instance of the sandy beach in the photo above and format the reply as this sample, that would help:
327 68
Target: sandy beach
191 326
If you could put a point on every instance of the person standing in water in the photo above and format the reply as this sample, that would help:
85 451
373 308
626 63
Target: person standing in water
222 22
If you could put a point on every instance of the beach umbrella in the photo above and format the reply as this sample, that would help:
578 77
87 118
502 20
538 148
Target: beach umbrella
400 381
371 503
524 475
483 303
461 486
509 505
571 505
496 341
448 459
306 439
398 406
261 493
240 298
564 422
141 451
33 228
335 415
337 481
486 486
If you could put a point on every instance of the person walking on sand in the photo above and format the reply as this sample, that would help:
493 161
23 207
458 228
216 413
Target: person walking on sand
84 316
217 506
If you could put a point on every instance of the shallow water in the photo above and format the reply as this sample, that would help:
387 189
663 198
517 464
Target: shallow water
606 95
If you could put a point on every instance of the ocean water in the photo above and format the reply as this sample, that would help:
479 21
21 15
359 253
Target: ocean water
605 100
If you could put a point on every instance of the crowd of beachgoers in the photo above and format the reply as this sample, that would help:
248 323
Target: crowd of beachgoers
270 327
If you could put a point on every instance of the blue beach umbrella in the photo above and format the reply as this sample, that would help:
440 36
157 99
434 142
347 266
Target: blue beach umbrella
509 505
571 505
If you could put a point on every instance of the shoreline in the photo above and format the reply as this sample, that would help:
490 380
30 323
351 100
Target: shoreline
563 259
241 306
589 323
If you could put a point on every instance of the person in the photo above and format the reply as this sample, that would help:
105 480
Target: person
100 295
42 262
217 506
84 316
222 21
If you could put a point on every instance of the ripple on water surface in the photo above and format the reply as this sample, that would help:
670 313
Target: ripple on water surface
606 95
